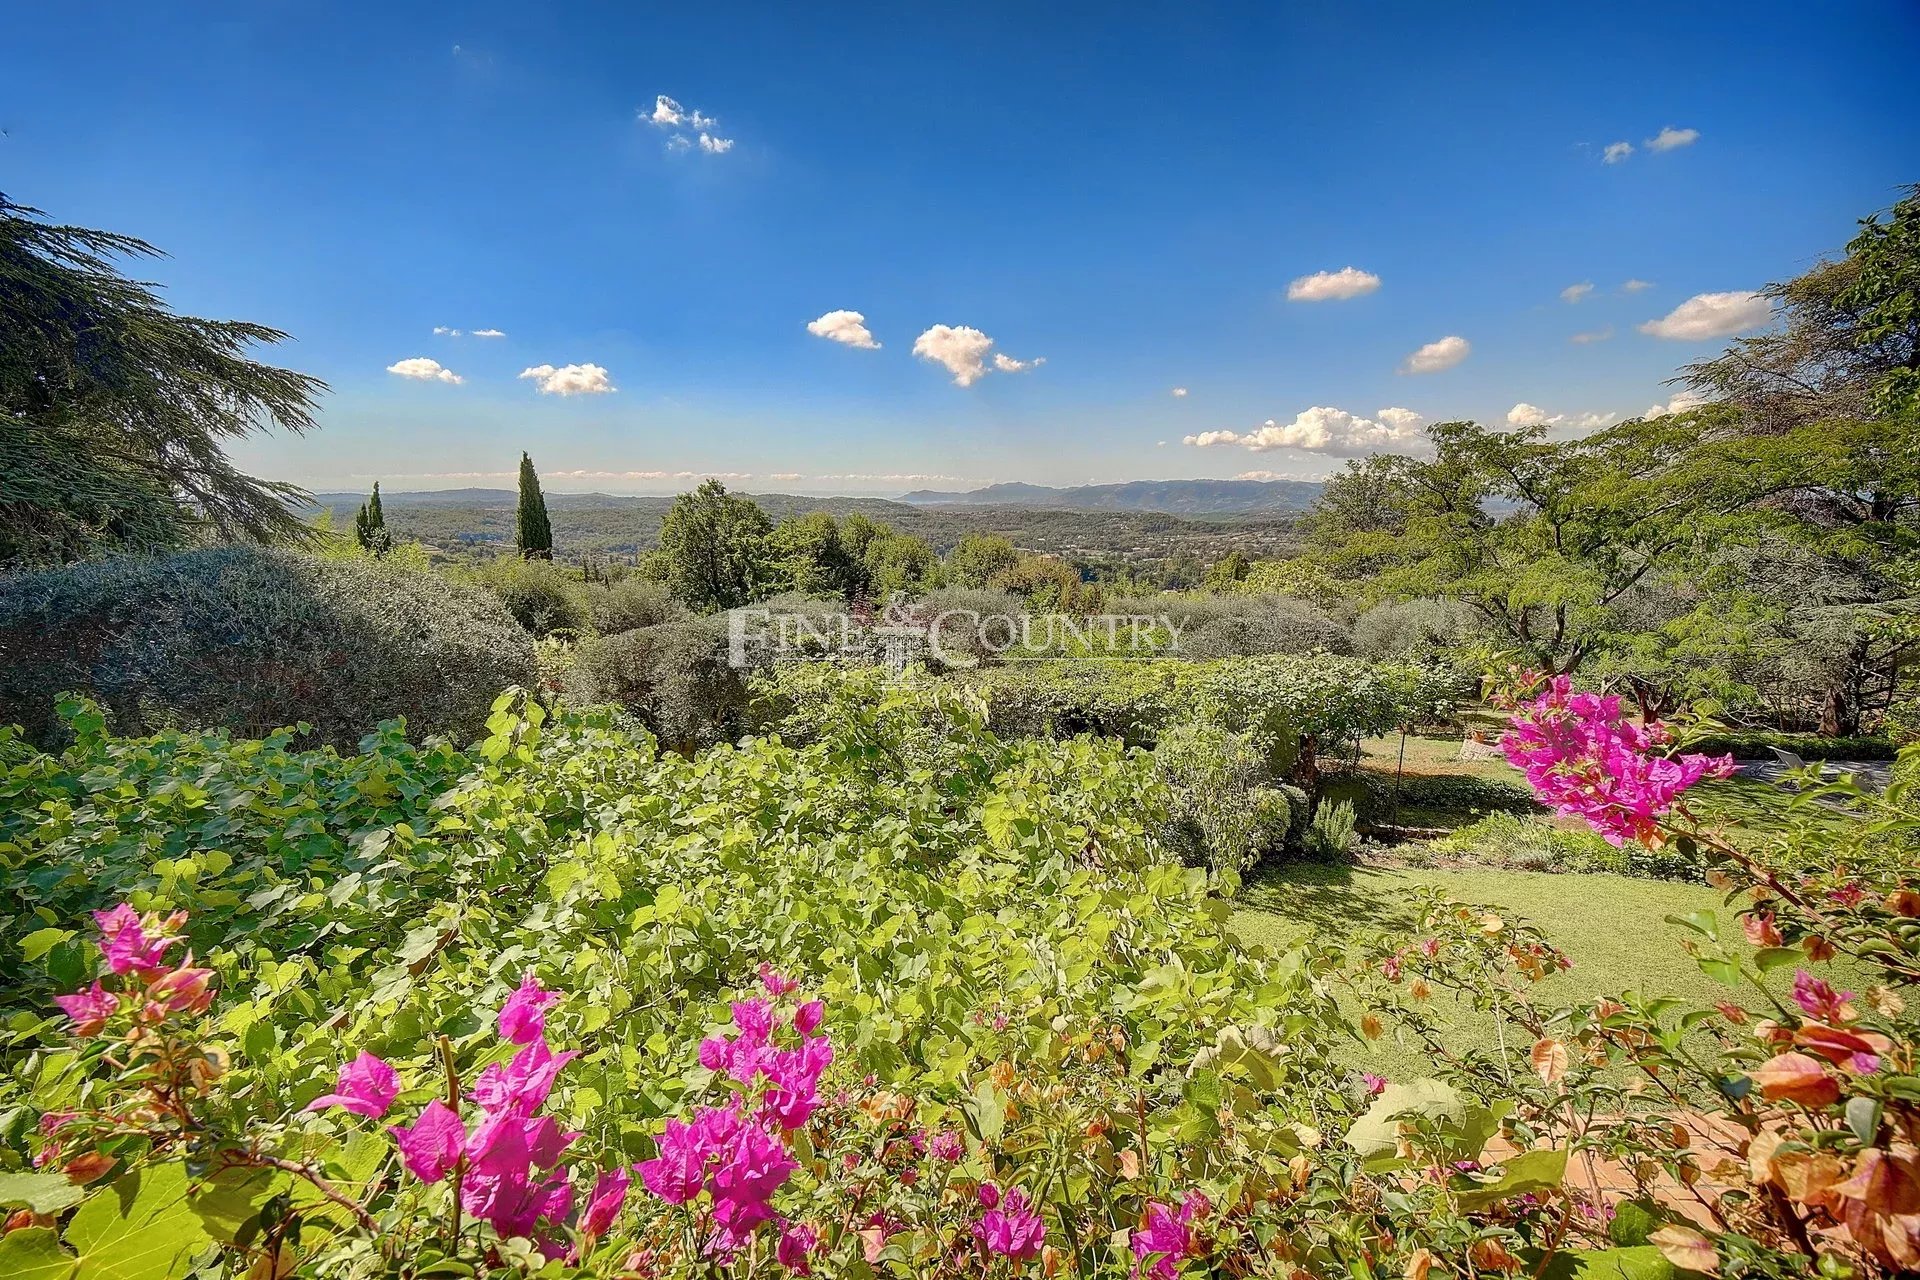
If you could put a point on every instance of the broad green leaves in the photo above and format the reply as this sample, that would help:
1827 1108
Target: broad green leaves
140 1227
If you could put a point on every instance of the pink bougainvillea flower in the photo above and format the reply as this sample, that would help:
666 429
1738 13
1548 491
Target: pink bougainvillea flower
523 1017
1014 1230
751 1168
125 942
522 1085
1165 1239
433 1145
366 1086
947 1145
775 983
1817 998
680 1170
1375 1085
89 1010
179 991
1760 929
989 1195
806 1019
604 1203
1583 757
796 1245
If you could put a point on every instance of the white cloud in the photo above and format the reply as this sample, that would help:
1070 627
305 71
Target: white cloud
1575 292
785 475
445 332
1681 402
687 126
489 333
424 370
963 350
1592 335
848 327
1616 152
1328 286
569 380
1669 138
1635 286
1531 415
1711 315
1178 393
1322 429
1435 356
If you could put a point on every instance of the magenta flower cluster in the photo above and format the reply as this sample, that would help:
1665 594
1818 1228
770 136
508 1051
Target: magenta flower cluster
506 1156
1009 1227
1167 1238
147 985
737 1153
1587 760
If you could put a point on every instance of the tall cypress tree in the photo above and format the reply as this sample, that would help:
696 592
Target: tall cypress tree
530 528
370 525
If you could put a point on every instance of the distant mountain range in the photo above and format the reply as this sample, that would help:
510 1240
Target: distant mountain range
1175 497
1166 497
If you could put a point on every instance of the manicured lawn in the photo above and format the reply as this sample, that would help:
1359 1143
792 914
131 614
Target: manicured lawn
1612 927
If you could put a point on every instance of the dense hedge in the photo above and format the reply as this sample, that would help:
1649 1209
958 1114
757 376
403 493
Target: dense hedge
1759 745
1451 793
248 640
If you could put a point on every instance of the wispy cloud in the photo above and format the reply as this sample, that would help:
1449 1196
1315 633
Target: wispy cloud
1575 292
1616 152
422 369
1443 353
1669 138
1333 286
1592 335
685 126
1178 393
1636 286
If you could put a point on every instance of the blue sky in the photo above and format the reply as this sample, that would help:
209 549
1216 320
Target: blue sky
1126 192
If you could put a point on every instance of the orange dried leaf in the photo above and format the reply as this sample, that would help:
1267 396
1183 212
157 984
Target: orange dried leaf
1686 1249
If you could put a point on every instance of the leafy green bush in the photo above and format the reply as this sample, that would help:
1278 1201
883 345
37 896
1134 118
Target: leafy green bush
674 676
1220 813
1216 626
999 948
1536 842
1132 701
1412 628
630 604
1331 835
543 597
249 640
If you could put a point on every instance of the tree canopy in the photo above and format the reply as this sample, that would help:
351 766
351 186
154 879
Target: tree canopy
115 412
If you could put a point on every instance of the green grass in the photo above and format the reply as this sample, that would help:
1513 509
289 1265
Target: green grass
1612 927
